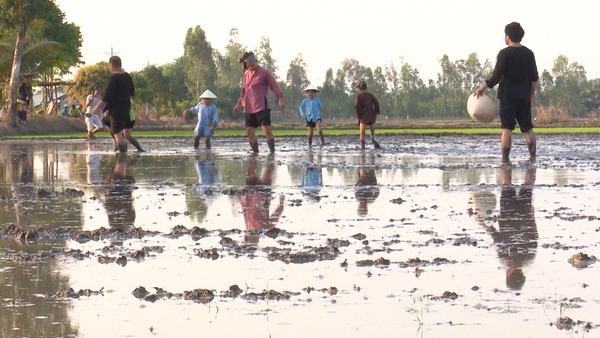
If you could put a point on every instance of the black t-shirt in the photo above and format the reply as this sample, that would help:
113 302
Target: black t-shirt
118 94
515 71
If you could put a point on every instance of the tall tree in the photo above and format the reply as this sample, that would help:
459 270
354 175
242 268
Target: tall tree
230 74
87 77
15 17
296 81
158 90
200 66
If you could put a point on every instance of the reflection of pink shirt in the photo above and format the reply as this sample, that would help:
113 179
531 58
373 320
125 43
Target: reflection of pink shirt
256 211
256 89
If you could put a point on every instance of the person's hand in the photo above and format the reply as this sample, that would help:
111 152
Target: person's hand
236 109
281 105
480 91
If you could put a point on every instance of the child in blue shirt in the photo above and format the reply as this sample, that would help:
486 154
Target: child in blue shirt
311 108
208 118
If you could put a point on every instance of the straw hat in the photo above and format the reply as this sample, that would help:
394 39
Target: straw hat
208 95
311 87
481 109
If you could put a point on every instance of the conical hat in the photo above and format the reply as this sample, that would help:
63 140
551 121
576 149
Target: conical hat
311 87
208 95
481 109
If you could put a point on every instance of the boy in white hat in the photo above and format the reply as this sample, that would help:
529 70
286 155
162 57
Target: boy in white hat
208 118
311 109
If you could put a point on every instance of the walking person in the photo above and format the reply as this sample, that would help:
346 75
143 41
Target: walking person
311 109
517 76
255 101
92 119
366 108
208 118
25 91
117 100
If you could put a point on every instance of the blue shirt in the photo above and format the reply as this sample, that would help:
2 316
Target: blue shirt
311 109
206 115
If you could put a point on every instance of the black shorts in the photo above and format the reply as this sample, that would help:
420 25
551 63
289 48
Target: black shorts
516 111
262 118
312 124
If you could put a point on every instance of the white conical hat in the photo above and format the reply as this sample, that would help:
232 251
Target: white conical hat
311 87
208 95
481 109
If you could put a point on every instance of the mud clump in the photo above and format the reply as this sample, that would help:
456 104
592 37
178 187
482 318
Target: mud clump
581 260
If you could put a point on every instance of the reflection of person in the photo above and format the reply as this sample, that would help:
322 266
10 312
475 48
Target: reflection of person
117 100
312 108
208 118
517 233
366 108
255 100
517 74
92 119
208 176
256 198
25 91
312 180
118 200
366 189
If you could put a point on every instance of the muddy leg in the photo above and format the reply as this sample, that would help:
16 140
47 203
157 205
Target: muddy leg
196 142
207 142
506 143
531 144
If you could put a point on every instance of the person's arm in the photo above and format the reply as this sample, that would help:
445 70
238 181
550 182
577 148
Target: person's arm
214 120
274 86
533 86
375 104
497 74
301 108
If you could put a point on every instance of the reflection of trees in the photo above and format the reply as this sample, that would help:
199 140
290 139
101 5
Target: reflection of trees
21 281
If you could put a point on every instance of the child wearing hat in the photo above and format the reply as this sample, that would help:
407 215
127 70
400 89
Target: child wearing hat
311 109
208 118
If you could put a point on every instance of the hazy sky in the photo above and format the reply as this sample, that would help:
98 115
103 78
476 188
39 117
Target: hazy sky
375 32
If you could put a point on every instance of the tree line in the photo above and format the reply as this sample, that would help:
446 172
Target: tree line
39 41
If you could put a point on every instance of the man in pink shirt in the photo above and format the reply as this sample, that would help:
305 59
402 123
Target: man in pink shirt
255 100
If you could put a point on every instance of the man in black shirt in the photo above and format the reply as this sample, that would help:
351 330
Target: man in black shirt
517 74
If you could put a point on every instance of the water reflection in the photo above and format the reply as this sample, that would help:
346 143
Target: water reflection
311 180
517 235
118 200
202 192
366 190
255 198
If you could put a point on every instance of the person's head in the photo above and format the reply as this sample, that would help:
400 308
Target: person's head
97 89
514 31
311 91
73 106
207 101
361 85
249 60
207 97
25 79
114 63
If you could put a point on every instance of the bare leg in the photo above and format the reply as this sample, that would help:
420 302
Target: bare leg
506 144
531 143
121 144
310 135
320 131
252 139
196 142
362 135
270 138
207 142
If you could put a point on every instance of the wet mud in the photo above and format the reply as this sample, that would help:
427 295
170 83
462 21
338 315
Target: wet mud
418 228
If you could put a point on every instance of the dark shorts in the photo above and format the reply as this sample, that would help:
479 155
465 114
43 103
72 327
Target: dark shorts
312 124
516 111
262 118
116 123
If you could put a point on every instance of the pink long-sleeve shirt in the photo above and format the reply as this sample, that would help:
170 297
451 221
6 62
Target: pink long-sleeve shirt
256 89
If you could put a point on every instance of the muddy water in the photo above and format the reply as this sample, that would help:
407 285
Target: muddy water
418 239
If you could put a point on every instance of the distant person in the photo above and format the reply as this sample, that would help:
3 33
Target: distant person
311 109
208 118
25 91
517 74
92 120
366 189
74 111
117 100
22 111
254 99
256 198
366 108
65 110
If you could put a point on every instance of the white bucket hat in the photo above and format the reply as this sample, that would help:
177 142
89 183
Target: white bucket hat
208 95
311 87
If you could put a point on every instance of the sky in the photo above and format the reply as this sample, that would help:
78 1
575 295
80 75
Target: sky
376 32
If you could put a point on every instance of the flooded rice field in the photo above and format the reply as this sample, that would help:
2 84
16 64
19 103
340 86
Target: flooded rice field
427 237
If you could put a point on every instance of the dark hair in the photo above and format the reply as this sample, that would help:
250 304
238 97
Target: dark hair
243 59
115 61
361 84
514 31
